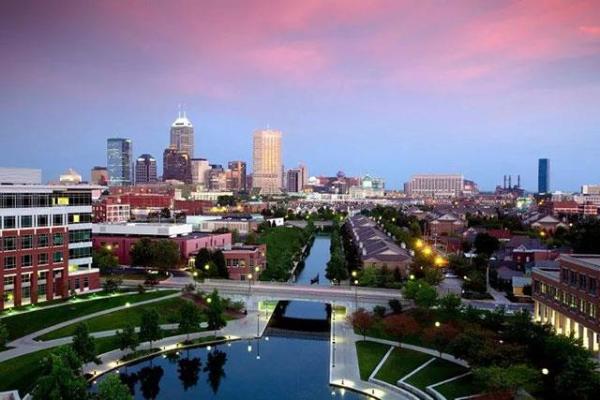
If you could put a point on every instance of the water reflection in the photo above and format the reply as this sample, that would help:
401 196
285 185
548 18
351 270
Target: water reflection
188 370
215 366
149 378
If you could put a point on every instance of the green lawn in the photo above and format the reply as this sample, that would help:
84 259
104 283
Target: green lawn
437 371
282 244
23 324
400 363
369 355
167 309
462 387
20 373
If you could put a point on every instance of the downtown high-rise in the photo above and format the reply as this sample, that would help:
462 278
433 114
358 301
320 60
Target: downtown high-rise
182 135
145 169
543 175
267 166
119 161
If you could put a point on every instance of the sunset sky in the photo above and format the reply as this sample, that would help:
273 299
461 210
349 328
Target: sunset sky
389 88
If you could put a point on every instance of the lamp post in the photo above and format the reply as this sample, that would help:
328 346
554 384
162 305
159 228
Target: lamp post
249 283
356 294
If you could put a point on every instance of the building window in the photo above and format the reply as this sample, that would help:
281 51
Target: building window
26 278
582 282
57 219
9 243
86 282
26 260
80 253
57 256
43 240
572 278
42 221
42 259
27 242
58 239
25 292
10 222
42 275
10 262
80 236
41 289
592 287
26 221
9 281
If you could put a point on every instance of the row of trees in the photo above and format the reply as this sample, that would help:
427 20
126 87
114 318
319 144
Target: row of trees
160 254
337 269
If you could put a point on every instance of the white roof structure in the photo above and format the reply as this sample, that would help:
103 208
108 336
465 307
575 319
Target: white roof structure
132 229
181 120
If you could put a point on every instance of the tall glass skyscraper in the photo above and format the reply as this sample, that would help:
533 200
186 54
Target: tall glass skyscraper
119 154
543 175
182 135
267 167
145 169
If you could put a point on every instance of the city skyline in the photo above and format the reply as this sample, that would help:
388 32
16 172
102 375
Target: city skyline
361 87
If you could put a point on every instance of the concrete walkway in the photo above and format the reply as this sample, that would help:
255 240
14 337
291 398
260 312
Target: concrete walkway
344 371
27 344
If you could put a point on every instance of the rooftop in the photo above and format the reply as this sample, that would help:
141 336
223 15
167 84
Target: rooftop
585 260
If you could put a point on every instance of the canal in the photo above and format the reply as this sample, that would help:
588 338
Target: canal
283 364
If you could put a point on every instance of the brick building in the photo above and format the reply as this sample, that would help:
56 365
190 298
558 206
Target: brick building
45 243
568 297
244 260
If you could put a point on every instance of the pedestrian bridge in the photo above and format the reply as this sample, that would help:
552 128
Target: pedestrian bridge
253 292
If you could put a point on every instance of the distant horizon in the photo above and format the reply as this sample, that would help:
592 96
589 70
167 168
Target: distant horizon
385 87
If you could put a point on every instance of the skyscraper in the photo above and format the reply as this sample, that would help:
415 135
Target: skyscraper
119 159
182 135
99 176
294 180
543 175
237 176
200 168
145 169
176 165
266 171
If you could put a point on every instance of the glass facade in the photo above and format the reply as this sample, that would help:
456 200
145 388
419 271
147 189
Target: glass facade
543 175
119 158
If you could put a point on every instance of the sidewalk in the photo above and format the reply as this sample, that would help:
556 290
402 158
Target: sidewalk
344 371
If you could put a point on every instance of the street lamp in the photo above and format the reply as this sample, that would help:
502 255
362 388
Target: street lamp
545 371
249 282
356 294
437 324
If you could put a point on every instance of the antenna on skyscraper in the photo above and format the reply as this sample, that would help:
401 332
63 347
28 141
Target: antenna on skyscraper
179 110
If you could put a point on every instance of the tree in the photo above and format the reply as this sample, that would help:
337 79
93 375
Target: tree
218 259
111 285
486 244
166 254
112 388
61 377
361 321
507 379
202 259
251 238
4 335
423 294
150 327
379 311
165 213
401 326
83 344
214 313
395 306
449 305
336 267
189 318
127 338
104 259
142 253
440 337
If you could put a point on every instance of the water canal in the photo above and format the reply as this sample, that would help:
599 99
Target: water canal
278 366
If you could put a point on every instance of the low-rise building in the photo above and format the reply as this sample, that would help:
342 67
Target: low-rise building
568 297
120 238
245 260
111 209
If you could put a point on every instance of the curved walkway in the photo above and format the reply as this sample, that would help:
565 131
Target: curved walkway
27 344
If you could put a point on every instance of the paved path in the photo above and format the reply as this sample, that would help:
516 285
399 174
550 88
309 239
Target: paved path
344 372
27 344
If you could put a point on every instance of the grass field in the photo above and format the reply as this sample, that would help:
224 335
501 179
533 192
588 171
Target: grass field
282 244
23 324
462 387
369 355
400 363
437 371
167 309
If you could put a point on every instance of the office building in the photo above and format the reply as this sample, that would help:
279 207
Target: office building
543 175
236 179
590 189
433 185
145 169
303 176
568 297
70 177
267 166
119 160
45 238
99 176
294 181
176 166
217 178
182 135
22 176
200 168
